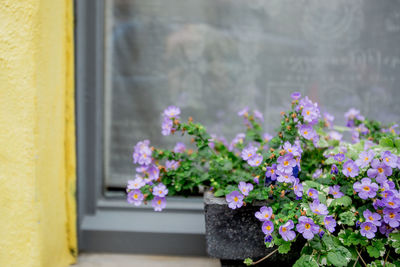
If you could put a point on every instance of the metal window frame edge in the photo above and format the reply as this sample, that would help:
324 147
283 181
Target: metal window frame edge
111 225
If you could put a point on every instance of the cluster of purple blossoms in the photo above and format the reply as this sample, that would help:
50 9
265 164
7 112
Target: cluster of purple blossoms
179 147
135 197
350 169
245 188
328 119
169 115
294 149
308 132
249 154
318 208
310 112
171 164
335 191
286 164
142 153
379 170
234 199
136 184
339 157
351 115
239 139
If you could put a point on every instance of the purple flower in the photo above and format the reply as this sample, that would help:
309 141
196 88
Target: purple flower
142 153
152 171
234 199
286 163
245 188
264 214
158 203
372 217
160 190
298 187
135 197
295 95
317 173
365 158
392 202
271 172
379 171
335 191
179 147
335 135
295 150
330 223
318 208
268 227
385 229
258 115
366 189
137 183
339 157
351 115
267 137
239 138
256 180
166 126
285 178
312 193
244 112
310 113
308 132
255 161
268 239
171 164
334 169
328 119
286 232
307 227
350 169
391 217
172 112
389 159
368 230
249 152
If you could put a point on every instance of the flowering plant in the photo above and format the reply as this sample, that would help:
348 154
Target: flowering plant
343 198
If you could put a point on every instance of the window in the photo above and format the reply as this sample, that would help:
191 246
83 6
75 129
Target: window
210 57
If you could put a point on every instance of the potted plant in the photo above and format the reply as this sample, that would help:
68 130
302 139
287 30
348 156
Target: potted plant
305 189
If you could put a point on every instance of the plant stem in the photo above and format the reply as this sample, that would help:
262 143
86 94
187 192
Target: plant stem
355 263
270 254
359 255
384 263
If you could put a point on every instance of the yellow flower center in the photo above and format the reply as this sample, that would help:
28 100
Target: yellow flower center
349 169
249 155
268 227
235 199
380 170
391 203
305 132
266 215
308 112
272 171
317 210
366 188
370 218
307 226
290 150
391 215
367 227
160 192
135 196
366 159
159 202
283 229
286 163
387 159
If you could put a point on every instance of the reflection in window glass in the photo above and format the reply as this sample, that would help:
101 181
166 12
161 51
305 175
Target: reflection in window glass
214 57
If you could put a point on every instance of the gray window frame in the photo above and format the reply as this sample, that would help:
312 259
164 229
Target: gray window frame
107 224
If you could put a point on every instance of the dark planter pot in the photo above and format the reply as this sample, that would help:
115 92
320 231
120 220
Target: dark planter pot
233 235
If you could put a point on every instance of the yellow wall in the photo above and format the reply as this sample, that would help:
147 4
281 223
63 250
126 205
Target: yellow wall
37 145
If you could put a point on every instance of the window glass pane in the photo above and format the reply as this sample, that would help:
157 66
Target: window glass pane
214 57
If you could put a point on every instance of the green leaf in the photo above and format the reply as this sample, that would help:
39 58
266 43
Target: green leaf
284 248
386 142
316 244
397 143
394 241
339 256
328 241
306 261
373 251
248 261
347 218
344 201
219 193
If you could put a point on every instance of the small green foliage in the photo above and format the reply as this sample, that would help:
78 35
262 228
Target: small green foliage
284 247
386 142
248 261
339 256
344 201
306 261
394 240
347 218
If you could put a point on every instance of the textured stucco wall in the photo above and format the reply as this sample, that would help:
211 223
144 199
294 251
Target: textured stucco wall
37 154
